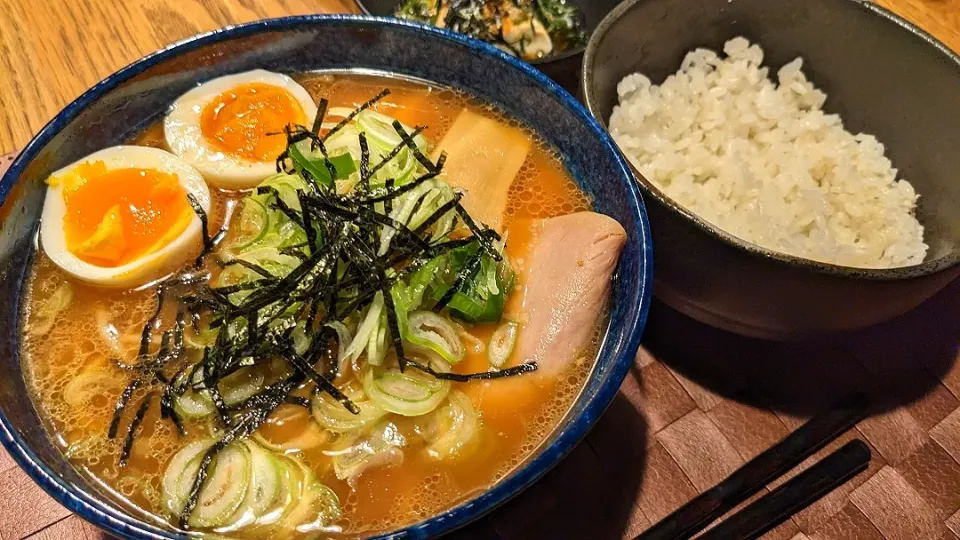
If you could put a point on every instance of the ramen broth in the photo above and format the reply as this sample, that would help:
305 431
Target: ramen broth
75 384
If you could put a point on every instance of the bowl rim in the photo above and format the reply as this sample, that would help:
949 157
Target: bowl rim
926 268
575 51
123 524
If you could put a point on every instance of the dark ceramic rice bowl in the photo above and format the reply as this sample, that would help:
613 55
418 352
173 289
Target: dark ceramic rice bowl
137 95
882 75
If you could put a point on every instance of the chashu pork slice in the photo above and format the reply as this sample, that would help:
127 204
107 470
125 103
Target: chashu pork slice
568 281
563 283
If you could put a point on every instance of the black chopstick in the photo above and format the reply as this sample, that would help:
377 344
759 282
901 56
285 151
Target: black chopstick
777 506
758 472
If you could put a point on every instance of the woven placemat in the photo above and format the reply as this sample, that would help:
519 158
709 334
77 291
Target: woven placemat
697 405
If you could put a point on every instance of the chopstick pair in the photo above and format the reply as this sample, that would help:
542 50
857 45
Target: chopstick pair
777 506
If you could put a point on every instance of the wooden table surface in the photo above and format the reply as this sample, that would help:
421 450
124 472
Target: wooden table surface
685 416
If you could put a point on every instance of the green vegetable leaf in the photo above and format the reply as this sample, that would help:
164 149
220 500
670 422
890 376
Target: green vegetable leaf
482 298
343 164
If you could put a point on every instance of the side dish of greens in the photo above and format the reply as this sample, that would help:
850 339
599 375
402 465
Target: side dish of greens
530 29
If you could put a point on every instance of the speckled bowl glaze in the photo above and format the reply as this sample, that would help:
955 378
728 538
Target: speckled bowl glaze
882 75
564 68
123 103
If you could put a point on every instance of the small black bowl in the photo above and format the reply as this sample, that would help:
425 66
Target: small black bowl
564 68
883 76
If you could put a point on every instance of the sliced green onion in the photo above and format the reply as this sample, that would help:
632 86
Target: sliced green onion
381 447
344 164
478 301
205 338
193 404
300 340
455 426
292 476
240 386
345 140
42 320
315 512
369 326
431 331
225 487
377 347
271 259
311 437
316 169
254 223
263 491
379 128
401 169
287 186
344 337
407 393
90 383
332 415
339 112
234 389
180 473
266 477
401 213
501 344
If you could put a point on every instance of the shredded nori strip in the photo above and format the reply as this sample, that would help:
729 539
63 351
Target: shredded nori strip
388 204
132 431
281 205
249 266
408 140
202 214
321 113
448 206
303 366
466 377
469 270
393 324
263 404
122 405
393 153
167 410
298 400
389 193
294 252
369 217
480 234
371 102
209 243
147 333
239 287
364 183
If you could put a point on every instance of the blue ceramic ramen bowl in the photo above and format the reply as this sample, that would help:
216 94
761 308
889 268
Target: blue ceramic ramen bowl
139 94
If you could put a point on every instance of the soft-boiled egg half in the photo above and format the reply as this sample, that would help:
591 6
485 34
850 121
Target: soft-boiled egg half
120 217
231 128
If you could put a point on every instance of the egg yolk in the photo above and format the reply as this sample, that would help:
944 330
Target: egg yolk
247 121
114 217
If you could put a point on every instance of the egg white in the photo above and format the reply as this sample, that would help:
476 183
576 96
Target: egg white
147 268
181 127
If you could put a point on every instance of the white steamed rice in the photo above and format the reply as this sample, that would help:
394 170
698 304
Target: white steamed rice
765 163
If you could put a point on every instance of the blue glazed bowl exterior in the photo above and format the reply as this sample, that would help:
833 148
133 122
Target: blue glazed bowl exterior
125 102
